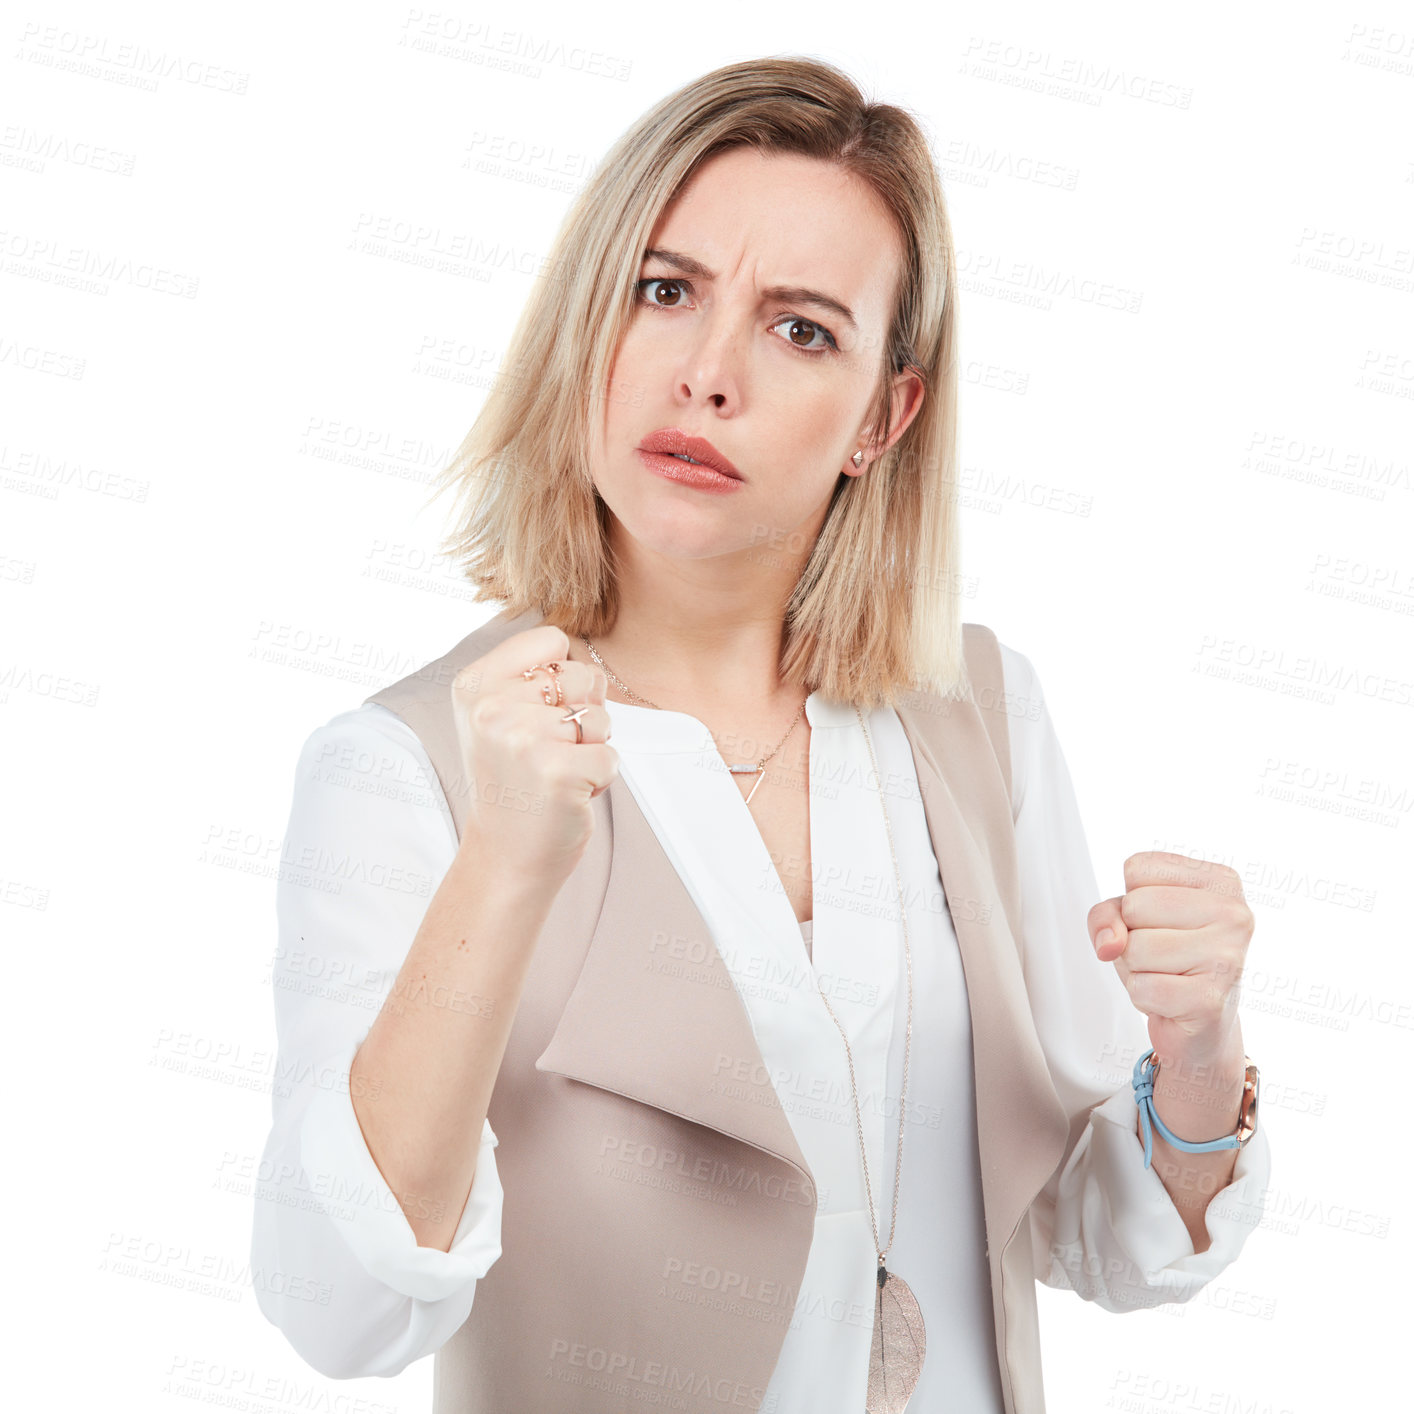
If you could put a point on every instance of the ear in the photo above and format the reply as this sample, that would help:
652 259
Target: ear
906 397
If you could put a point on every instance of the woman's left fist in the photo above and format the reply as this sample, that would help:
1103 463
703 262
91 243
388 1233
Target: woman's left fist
1178 937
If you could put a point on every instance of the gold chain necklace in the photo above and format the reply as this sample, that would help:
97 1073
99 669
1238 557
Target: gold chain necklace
899 1341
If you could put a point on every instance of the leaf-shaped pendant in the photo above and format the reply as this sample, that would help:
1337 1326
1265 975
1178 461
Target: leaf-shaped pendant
896 1356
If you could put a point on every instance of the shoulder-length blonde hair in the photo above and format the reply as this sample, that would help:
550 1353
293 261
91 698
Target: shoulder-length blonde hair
875 610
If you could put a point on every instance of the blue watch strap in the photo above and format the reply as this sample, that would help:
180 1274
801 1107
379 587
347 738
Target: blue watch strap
1144 1097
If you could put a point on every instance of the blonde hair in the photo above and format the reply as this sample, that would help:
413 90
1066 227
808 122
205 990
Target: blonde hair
875 610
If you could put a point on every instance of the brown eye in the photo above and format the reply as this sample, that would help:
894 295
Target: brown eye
674 285
801 333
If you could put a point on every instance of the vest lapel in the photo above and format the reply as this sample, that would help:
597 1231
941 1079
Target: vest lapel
1022 1126
637 1028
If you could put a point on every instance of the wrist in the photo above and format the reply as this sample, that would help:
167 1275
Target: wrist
1211 1107
1202 1088
1214 1053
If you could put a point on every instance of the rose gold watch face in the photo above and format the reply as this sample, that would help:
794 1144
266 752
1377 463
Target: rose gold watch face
1247 1118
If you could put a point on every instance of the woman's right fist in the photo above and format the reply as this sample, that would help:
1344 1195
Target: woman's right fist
530 780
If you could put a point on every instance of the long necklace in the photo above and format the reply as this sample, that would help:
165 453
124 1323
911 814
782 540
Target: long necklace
899 1342
739 768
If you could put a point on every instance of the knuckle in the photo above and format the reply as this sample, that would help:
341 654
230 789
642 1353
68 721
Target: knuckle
480 713
518 737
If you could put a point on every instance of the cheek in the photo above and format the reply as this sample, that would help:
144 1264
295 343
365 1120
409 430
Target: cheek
631 377
815 420
625 392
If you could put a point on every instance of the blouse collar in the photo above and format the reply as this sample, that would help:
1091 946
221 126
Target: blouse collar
655 731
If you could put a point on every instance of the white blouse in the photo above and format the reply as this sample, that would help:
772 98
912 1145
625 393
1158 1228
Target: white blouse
365 794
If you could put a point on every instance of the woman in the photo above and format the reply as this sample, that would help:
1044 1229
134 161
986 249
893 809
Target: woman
756 1060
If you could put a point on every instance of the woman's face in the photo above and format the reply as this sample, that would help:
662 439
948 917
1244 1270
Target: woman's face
726 344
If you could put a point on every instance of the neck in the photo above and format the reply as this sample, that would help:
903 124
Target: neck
691 662
698 636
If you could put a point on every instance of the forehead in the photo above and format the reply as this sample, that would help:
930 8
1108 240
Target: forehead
784 219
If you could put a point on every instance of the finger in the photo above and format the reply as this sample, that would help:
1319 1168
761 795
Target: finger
575 681
512 656
1173 950
594 722
601 766
505 663
1161 866
1168 906
1108 930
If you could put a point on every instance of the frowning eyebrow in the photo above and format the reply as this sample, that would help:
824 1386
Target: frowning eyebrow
789 294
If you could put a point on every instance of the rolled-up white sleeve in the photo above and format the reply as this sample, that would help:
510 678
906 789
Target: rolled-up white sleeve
1105 1225
335 1262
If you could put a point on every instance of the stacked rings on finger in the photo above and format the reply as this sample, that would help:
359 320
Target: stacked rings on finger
554 669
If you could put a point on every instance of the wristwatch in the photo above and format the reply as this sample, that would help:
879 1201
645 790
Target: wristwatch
1145 1069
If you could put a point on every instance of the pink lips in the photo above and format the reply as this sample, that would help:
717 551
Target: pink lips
685 473
673 442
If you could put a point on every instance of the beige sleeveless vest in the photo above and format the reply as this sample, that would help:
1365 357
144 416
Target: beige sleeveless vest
623 1158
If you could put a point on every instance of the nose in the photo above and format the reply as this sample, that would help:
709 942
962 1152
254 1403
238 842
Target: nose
713 362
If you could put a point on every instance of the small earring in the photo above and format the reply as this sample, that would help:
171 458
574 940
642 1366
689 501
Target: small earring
858 459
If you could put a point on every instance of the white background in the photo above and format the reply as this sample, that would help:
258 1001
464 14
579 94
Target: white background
1194 516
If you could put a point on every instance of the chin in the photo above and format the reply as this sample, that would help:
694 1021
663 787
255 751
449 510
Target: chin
682 531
